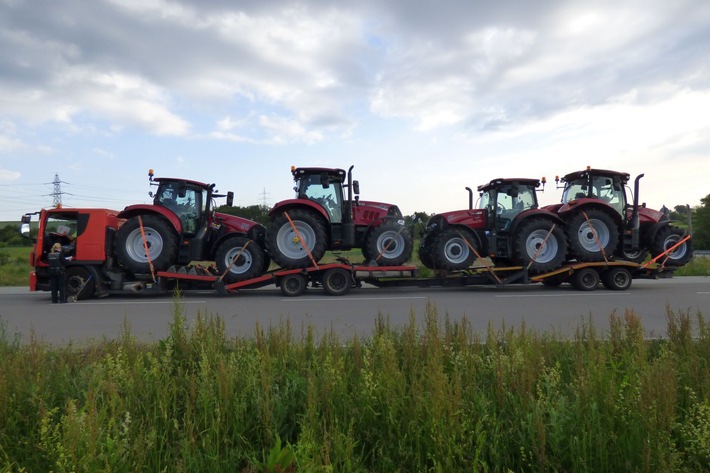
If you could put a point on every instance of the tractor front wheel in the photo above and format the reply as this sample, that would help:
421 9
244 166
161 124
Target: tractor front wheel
286 241
239 258
160 239
453 250
593 236
541 244
666 238
388 244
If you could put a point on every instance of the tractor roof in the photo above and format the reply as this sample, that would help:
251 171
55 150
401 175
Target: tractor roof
180 180
574 176
332 173
501 182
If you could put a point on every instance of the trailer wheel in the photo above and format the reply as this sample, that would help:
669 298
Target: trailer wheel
249 264
585 279
159 237
293 285
388 244
529 245
284 245
582 235
666 238
452 250
80 283
617 279
337 281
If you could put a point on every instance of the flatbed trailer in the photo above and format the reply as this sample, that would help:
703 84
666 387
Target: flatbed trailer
338 279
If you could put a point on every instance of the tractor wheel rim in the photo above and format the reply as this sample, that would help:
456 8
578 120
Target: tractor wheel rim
586 237
678 253
456 250
535 241
243 263
390 244
136 249
290 245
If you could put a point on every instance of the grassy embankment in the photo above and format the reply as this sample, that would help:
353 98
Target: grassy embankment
431 396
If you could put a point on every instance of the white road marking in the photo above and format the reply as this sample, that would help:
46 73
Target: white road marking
582 294
338 299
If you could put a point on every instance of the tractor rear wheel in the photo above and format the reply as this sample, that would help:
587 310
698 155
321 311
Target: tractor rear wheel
531 244
160 238
588 235
249 262
388 244
666 238
287 245
452 250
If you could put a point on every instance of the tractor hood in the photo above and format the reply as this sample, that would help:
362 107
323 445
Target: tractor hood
234 223
366 211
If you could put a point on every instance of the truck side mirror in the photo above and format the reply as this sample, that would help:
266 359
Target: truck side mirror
25 230
230 198
356 187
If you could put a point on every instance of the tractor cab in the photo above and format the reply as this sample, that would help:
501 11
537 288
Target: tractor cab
599 184
188 200
324 186
505 199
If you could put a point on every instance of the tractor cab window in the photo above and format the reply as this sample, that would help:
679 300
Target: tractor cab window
186 202
604 188
330 197
510 201
62 229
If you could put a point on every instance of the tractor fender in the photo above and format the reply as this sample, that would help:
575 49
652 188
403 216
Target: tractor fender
535 213
652 230
286 205
146 209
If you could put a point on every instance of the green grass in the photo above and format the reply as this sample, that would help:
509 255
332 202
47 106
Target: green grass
431 396
15 266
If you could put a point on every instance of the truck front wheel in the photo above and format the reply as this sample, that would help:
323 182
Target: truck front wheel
160 239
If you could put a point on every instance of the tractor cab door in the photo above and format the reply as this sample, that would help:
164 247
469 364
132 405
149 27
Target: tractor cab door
510 201
187 202
329 194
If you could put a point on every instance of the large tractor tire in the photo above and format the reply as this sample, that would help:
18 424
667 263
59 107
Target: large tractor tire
388 244
249 262
637 256
160 238
452 250
531 248
665 239
425 255
284 244
586 238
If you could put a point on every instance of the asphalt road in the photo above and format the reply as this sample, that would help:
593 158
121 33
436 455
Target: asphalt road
26 315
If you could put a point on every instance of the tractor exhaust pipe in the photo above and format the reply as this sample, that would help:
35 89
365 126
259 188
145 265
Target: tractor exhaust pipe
470 198
635 215
348 225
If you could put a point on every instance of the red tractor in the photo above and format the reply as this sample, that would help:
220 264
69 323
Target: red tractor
181 226
323 217
601 222
507 226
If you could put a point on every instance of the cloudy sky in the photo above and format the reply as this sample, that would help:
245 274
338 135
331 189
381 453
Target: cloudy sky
424 97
